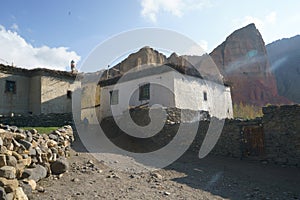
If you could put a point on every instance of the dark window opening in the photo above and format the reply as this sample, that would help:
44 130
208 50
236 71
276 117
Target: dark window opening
10 86
144 92
114 97
205 96
69 94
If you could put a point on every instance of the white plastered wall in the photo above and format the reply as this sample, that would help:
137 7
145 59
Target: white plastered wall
161 92
189 94
184 92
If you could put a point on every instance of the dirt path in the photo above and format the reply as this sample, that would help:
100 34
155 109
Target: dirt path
187 178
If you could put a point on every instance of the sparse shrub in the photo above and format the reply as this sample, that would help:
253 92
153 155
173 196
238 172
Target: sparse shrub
246 111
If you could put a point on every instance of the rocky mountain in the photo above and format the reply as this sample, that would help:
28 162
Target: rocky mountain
284 56
243 61
148 57
145 56
200 66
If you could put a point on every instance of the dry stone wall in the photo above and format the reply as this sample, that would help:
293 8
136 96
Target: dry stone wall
27 156
280 134
43 120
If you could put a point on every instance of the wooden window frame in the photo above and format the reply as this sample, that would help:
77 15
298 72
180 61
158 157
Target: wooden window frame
144 92
10 84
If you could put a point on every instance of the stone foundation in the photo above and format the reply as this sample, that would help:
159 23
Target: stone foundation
44 120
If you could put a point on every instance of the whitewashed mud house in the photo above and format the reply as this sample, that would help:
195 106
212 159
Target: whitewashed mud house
36 91
167 86
90 97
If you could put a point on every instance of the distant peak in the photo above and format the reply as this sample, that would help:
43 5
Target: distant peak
146 48
173 55
250 25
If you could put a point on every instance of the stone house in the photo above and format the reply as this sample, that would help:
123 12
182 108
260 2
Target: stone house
35 91
90 97
164 85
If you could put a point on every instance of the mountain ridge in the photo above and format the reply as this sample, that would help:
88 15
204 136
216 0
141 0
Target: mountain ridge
242 59
284 56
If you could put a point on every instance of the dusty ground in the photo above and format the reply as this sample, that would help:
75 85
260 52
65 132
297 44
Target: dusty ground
187 178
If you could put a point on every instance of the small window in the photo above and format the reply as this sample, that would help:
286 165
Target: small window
144 92
114 97
10 86
69 94
205 96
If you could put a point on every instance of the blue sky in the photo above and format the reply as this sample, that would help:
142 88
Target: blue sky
50 33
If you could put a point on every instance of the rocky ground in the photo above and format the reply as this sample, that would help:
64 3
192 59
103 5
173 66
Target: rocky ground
187 178
27 156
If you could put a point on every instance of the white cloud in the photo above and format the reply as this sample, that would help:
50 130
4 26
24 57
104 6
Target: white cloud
198 49
15 27
238 23
271 17
204 45
151 8
14 49
260 23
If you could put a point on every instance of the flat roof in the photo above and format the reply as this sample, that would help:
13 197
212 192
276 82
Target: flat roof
148 71
35 72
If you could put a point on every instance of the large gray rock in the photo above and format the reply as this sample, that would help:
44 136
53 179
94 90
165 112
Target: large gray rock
8 172
25 143
53 137
10 196
59 166
32 152
37 173
2 193
11 161
3 149
28 136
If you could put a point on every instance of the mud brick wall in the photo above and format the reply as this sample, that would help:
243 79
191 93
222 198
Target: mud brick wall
47 120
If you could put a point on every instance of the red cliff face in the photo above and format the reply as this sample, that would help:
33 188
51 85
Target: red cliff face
243 61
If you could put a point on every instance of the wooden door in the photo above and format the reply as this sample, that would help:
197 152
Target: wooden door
253 140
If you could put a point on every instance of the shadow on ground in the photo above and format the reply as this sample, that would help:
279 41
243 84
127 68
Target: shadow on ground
233 178
77 145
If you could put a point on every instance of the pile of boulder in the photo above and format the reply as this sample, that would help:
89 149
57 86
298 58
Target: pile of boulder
27 156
